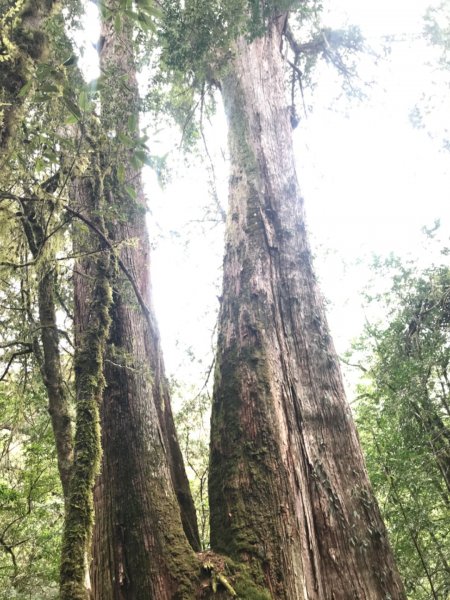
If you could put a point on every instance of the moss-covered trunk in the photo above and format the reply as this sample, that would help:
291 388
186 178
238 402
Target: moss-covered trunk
89 380
289 493
141 549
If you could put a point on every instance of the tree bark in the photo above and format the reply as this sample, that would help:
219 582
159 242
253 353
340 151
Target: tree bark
144 510
90 383
289 493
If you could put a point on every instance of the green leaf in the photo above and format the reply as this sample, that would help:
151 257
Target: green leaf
149 7
71 119
47 88
136 161
144 157
131 192
126 140
83 101
72 60
118 23
24 89
121 173
72 106
132 123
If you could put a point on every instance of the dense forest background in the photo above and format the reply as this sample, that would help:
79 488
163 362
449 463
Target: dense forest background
394 350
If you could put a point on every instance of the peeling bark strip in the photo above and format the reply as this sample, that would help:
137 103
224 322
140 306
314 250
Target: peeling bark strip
289 493
89 389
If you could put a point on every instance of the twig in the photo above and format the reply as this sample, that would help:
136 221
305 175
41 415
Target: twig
215 195
11 359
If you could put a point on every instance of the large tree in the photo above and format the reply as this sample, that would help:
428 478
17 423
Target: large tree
291 506
146 527
289 492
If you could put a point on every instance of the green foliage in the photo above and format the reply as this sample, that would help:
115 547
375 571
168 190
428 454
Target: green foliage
196 41
23 45
197 34
403 418
31 504
192 423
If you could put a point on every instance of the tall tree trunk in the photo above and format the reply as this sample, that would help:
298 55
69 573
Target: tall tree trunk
289 493
48 356
141 551
90 383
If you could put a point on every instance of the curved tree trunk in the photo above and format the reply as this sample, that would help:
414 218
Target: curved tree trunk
289 493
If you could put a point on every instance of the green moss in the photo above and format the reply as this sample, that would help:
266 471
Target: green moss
90 384
247 581
247 590
244 519
223 578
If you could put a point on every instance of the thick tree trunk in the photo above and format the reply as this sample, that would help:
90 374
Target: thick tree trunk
144 510
289 491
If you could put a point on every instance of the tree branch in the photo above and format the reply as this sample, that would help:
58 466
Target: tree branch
11 359
103 238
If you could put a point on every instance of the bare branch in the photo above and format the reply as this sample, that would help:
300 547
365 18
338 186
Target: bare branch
11 359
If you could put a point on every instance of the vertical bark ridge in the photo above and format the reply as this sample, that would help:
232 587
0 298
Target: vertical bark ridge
288 487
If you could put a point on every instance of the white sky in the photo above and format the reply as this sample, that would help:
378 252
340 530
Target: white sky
370 180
